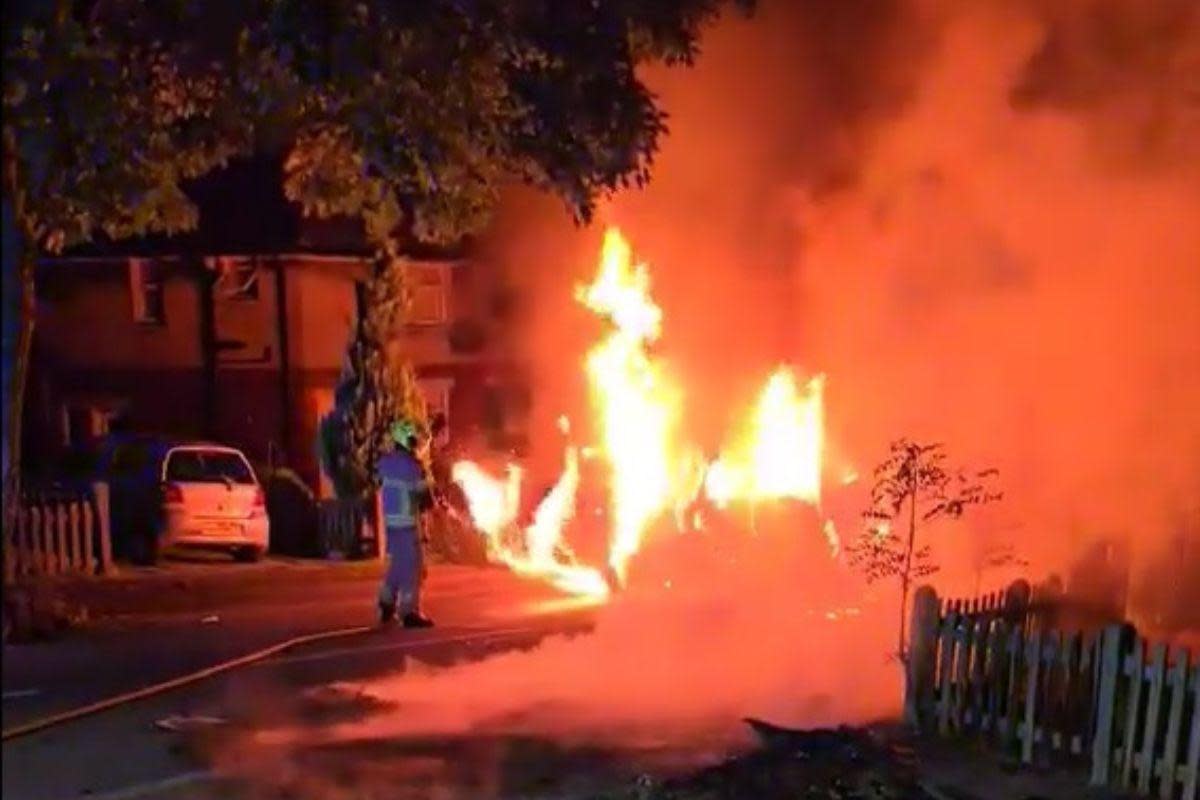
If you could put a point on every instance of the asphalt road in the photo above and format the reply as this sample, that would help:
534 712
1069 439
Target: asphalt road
121 754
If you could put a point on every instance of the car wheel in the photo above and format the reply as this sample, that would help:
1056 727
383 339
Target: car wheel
248 555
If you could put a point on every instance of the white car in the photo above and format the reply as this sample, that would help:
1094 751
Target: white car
212 499
197 495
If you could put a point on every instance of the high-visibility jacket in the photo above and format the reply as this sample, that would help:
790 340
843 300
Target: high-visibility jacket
403 481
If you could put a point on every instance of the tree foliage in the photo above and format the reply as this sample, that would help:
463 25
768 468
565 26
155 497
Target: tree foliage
414 114
913 486
409 115
102 127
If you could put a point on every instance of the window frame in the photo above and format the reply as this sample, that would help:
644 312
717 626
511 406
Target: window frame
242 277
98 416
145 273
430 278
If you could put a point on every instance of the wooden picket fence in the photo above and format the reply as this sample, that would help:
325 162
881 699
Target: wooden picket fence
60 532
987 670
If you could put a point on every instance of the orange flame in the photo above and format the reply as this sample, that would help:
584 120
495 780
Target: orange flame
780 456
493 502
541 551
636 404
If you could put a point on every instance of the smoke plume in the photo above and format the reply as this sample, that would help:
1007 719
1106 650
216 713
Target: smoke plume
981 221
978 219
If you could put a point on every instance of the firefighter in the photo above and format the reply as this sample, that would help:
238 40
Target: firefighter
405 495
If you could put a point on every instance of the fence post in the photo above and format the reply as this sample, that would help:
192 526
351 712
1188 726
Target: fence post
49 548
962 672
1033 683
75 536
62 535
1110 663
87 528
102 529
1015 654
1168 774
922 654
995 676
1072 699
977 700
1158 669
33 537
946 635
1135 672
1191 775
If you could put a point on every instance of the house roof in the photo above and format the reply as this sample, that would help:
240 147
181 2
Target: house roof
243 210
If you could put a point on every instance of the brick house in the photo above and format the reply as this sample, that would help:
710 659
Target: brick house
237 332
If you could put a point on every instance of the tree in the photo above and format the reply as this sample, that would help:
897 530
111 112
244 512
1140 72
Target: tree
913 486
376 390
409 116
101 126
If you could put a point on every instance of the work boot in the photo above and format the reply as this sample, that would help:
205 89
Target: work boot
416 619
387 613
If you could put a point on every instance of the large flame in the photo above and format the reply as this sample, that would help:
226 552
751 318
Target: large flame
636 404
780 456
776 455
493 502
541 549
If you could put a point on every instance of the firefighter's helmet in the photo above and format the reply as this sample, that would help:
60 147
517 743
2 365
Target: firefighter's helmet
404 433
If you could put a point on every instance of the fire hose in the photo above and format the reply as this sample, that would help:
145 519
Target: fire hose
70 715
115 701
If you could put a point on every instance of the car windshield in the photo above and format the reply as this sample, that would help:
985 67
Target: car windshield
208 466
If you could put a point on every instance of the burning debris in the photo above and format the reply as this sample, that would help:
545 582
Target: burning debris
652 468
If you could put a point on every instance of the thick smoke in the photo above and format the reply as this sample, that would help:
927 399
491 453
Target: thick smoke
1015 270
979 219
982 221
711 630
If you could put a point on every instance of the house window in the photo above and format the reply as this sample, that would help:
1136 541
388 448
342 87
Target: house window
83 423
238 279
146 291
429 302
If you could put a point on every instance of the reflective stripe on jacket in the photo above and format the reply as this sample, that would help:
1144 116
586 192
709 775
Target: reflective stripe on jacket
401 479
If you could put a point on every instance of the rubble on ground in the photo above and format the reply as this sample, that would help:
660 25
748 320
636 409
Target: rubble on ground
820 764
